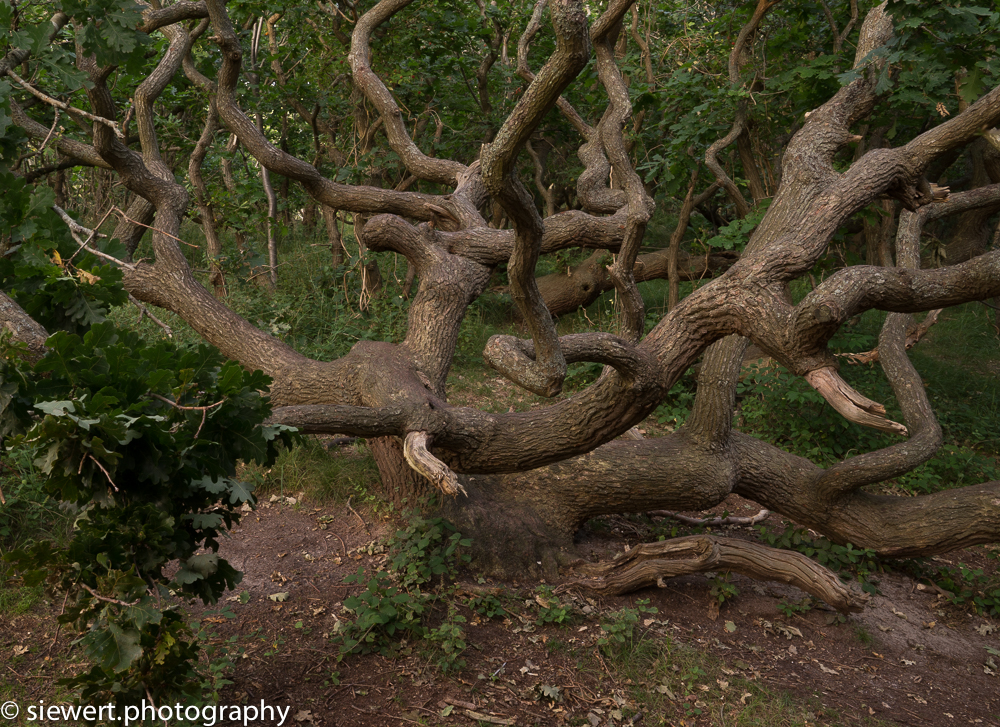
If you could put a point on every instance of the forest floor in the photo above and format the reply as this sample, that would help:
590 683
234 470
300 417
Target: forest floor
910 658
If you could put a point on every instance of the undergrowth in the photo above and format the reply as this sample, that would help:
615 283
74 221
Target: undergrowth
412 599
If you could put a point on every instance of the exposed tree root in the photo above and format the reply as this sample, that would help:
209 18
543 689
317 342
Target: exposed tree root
649 564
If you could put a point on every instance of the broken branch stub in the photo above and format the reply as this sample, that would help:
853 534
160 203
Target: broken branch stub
650 563
419 457
850 404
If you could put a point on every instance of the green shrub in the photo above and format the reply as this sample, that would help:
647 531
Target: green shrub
402 602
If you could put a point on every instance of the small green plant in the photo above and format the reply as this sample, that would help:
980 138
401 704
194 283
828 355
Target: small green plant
551 610
449 638
427 548
402 602
620 637
722 589
384 614
864 636
794 608
970 587
219 655
487 605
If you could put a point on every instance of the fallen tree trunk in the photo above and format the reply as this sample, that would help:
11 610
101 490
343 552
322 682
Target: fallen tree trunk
650 563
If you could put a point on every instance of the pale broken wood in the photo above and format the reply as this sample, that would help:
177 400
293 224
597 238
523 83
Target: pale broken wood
712 521
419 457
850 404
650 563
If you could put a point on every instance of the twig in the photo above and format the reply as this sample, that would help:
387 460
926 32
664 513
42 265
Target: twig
730 520
3 501
202 409
144 311
154 229
480 717
102 470
99 597
65 106
75 228
342 543
607 671
45 141
458 702
152 703
357 516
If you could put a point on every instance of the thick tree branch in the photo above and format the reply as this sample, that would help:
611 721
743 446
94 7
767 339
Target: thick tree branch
545 374
339 196
443 171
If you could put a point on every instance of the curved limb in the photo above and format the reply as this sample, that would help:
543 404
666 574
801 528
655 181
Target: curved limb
740 123
417 163
640 205
545 375
339 196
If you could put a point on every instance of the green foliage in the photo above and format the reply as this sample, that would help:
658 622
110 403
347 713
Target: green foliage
722 589
487 606
784 410
28 512
142 441
400 603
60 287
384 614
736 234
551 610
968 587
794 608
673 412
932 39
620 632
449 642
427 548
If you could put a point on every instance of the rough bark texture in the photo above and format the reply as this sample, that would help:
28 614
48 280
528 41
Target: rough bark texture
526 481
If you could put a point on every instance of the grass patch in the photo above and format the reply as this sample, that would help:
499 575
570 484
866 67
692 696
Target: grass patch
321 476
18 600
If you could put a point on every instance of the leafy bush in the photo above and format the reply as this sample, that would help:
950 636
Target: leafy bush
400 603
141 442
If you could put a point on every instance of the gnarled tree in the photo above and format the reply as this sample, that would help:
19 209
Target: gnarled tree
521 484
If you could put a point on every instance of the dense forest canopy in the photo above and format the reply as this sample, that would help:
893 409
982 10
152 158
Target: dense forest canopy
803 161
